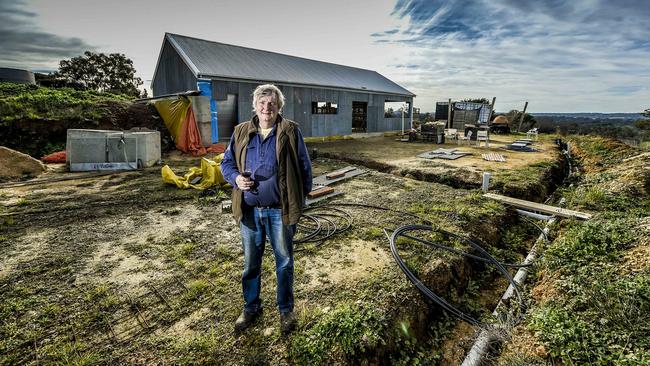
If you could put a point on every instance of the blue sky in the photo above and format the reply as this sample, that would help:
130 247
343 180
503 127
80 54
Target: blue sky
561 56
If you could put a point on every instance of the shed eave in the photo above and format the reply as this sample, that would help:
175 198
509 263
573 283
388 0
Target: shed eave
291 83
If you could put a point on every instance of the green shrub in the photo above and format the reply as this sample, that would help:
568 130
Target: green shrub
587 243
601 321
346 331
19 101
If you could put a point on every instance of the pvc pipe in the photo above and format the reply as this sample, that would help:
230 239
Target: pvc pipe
485 337
534 215
486 181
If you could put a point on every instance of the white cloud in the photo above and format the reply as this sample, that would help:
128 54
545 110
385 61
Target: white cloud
585 55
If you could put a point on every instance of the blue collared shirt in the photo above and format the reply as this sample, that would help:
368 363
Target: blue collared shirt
262 162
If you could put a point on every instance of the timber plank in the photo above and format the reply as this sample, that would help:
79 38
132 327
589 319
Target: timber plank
534 206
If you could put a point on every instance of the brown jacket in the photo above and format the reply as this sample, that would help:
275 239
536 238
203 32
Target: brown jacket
292 195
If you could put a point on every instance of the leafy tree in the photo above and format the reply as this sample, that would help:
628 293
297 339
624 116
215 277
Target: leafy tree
102 72
646 113
513 120
642 124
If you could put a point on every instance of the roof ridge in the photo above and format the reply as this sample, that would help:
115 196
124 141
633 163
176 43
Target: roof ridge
273 52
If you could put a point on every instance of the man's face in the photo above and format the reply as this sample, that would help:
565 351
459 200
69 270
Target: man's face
267 109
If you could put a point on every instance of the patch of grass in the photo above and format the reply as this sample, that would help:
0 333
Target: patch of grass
20 101
196 288
589 243
529 182
372 233
595 198
603 323
411 352
199 350
211 199
473 206
346 331
187 249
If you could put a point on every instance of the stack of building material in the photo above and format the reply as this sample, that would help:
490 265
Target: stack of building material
320 183
494 157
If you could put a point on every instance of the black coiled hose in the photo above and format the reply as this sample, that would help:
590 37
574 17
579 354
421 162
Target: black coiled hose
484 257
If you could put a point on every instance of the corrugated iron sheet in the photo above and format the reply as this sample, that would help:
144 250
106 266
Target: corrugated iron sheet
219 60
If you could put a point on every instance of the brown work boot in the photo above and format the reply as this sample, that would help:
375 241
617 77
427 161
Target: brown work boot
246 319
288 322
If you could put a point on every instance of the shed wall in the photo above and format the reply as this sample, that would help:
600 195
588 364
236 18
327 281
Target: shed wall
298 107
173 75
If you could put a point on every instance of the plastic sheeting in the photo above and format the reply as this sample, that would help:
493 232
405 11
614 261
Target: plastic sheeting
179 120
209 171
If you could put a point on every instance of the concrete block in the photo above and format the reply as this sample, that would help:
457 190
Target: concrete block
111 150
201 108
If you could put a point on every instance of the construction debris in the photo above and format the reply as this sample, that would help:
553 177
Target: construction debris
339 173
494 157
348 172
449 154
320 191
520 146
311 201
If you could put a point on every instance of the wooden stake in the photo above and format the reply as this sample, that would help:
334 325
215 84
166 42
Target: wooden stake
449 114
494 99
522 116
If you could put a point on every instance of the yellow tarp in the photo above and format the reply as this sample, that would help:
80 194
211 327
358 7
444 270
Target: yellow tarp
210 171
173 113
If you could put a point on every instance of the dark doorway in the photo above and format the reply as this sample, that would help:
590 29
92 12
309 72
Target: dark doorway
359 116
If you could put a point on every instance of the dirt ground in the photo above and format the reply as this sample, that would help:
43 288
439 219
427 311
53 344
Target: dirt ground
387 150
120 268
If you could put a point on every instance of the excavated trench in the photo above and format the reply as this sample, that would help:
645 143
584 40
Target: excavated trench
453 277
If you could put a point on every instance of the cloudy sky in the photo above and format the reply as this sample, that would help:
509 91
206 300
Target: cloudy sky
561 56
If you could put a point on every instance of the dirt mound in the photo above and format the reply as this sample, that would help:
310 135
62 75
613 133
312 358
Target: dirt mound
16 165
39 137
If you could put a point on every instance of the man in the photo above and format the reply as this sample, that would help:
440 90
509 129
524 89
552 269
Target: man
268 166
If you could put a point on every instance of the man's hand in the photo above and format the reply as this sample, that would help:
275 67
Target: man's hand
243 183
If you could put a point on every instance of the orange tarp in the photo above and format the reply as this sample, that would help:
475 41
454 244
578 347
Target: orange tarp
179 120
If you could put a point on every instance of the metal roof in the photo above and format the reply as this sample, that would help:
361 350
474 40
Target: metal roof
209 59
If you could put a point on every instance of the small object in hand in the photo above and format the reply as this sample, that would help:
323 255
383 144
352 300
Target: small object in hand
247 174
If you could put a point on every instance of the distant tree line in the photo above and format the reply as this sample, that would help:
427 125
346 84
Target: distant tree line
111 73
622 129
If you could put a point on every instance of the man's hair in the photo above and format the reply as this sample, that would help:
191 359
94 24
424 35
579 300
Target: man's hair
268 90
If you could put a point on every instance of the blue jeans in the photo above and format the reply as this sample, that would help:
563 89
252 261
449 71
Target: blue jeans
256 225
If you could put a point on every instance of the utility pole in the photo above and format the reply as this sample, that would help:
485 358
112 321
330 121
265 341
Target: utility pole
449 114
522 116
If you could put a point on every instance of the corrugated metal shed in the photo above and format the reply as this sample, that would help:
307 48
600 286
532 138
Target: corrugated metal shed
209 59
